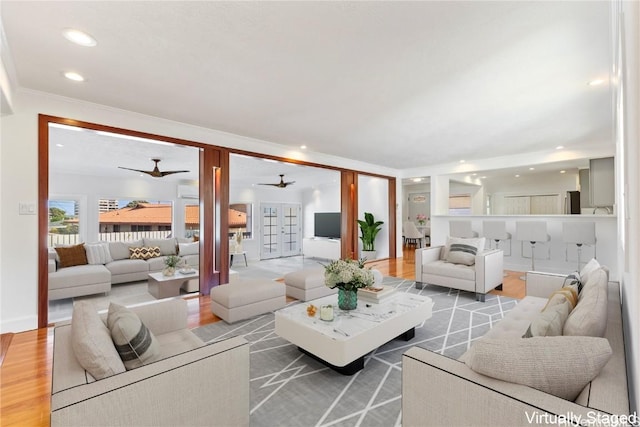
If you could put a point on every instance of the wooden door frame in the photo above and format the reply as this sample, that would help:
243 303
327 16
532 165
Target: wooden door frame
214 184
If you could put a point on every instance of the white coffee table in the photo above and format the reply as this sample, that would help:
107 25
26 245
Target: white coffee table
343 342
161 286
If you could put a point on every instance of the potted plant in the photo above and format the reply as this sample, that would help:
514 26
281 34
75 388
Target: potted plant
171 263
369 228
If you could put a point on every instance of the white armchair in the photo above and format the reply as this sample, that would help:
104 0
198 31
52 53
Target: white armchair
481 277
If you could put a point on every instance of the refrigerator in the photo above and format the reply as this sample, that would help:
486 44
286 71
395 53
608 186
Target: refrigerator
572 203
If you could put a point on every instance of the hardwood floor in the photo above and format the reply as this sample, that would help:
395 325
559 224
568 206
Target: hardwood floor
25 365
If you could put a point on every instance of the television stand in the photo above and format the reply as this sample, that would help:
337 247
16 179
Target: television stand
321 247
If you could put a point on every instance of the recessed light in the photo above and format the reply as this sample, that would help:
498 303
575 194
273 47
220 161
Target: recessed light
563 171
79 37
474 174
60 145
74 76
303 147
517 176
462 161
483 177
532 169
417 179
596 82
559 147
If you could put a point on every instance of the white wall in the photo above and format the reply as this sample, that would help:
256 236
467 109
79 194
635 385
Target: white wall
373 197
324 198
19 183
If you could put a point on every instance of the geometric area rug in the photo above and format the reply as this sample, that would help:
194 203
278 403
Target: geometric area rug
288 388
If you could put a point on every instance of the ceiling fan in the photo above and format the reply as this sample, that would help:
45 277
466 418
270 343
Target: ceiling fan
281 184
156 173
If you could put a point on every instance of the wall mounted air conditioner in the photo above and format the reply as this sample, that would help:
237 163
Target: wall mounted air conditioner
188 192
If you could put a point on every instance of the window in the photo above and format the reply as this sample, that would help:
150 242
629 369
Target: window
191 220
64 223
123 220
241 219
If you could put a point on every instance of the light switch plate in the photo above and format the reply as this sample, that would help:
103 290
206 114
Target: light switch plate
26 208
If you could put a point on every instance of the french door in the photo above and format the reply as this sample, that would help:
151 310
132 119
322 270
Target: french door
281 230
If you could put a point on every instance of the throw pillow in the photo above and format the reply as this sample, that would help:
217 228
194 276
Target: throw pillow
589 268
463 250
589 318
567 293
189 248
561 366
120 250
72 255
167 246
573 279
550 322
91 342
144 253
98 253
133 341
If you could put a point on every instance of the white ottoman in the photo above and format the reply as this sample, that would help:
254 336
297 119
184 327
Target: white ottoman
247 298
307 284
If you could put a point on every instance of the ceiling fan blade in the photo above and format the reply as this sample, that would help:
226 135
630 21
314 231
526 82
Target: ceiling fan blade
137 170
165 173
275 185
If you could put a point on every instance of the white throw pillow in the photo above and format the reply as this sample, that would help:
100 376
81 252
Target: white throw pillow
589 268
92 344
561 366
188 248
98 253
463 250
133 341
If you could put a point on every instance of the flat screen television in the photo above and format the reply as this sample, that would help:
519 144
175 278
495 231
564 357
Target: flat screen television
327 224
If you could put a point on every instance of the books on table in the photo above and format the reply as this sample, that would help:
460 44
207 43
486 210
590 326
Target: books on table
375 294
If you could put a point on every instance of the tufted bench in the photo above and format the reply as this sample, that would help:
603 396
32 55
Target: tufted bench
307 284
246 298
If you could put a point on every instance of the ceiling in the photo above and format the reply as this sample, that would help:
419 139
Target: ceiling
396 84
103 154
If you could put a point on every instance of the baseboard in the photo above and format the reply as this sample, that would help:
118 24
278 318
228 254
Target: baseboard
19 324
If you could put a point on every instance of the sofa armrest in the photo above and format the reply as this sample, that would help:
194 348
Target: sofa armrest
51 265
539 284
424 255
206 386
489 270
438 391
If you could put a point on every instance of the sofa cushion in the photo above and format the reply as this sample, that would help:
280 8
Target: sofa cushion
167 246
92 344
98 253
120 250
561 366
144 252
134 342
550 322
443 268
590 315
460 250
126 266
516 322
79 275
188 248
72 255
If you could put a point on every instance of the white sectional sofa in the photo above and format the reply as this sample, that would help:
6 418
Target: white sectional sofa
438 391
192 383
116 266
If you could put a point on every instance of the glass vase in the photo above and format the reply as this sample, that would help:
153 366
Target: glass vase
347 299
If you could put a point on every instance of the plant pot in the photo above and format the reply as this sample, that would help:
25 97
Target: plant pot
169 271
347 299
369 255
